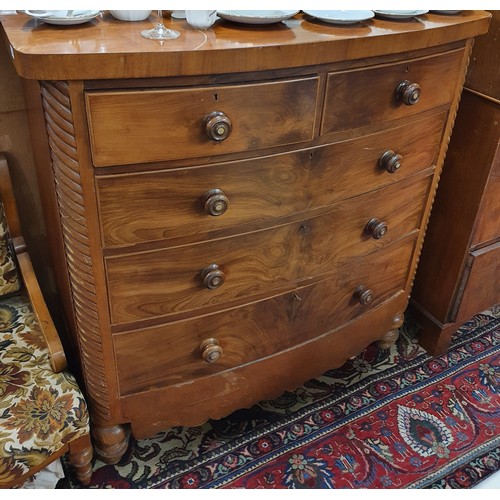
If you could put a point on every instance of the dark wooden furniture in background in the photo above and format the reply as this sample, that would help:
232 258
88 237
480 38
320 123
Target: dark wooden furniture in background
459 271
229 211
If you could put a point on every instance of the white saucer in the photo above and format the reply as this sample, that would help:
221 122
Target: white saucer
61 17
340 16
399 14
256 16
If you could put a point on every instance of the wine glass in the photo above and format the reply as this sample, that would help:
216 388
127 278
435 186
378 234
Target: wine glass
160 31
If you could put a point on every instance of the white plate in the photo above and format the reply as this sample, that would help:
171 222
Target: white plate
340 16
446 12
61 17
256 16
399 14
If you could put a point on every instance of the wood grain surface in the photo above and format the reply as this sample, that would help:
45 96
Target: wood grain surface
215 396
368 96
107 48
160 283
142 207
170 354
152 125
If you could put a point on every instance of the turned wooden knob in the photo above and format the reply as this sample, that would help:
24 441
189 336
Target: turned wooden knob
408 93
390 161
364 295
217 126
215 202
212 277
210 350
376 228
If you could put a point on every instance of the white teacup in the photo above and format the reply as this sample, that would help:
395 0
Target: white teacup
130 15
201 19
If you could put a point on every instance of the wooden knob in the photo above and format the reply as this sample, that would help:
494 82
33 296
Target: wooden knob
217 126
390 161
364 295
212 277
210 350
408 93
376 228
215 202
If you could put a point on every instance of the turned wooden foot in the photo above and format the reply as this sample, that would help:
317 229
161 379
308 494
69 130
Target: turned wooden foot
391 335
110 442
80 455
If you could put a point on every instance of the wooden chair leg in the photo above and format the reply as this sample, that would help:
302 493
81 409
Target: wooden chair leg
80 455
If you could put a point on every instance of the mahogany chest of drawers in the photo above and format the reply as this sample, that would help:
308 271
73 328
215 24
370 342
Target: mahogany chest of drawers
231 217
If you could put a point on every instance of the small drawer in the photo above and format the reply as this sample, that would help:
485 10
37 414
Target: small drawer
360 98
481 282
198 347
142 207
158 125
175 280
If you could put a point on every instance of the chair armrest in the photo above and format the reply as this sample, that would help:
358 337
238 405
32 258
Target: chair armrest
56 351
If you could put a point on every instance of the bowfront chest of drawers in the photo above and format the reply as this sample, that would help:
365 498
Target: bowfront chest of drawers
231 217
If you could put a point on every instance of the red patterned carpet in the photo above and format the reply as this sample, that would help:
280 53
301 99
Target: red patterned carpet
388 419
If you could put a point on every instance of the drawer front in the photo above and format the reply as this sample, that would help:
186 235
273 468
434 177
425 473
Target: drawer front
141 207
157 125
482 282
359 98
158 283
171 354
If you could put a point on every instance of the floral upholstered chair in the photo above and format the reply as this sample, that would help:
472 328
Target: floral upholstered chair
43 414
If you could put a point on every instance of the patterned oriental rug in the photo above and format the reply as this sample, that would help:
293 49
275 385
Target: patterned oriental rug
392 418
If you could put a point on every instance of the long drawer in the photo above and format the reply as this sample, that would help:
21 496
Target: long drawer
156 125
158 283
141 207
358 98
176 352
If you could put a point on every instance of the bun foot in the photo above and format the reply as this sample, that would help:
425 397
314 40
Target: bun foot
110 443
389 338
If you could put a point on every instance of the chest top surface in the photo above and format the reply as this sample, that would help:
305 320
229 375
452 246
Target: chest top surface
106 48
